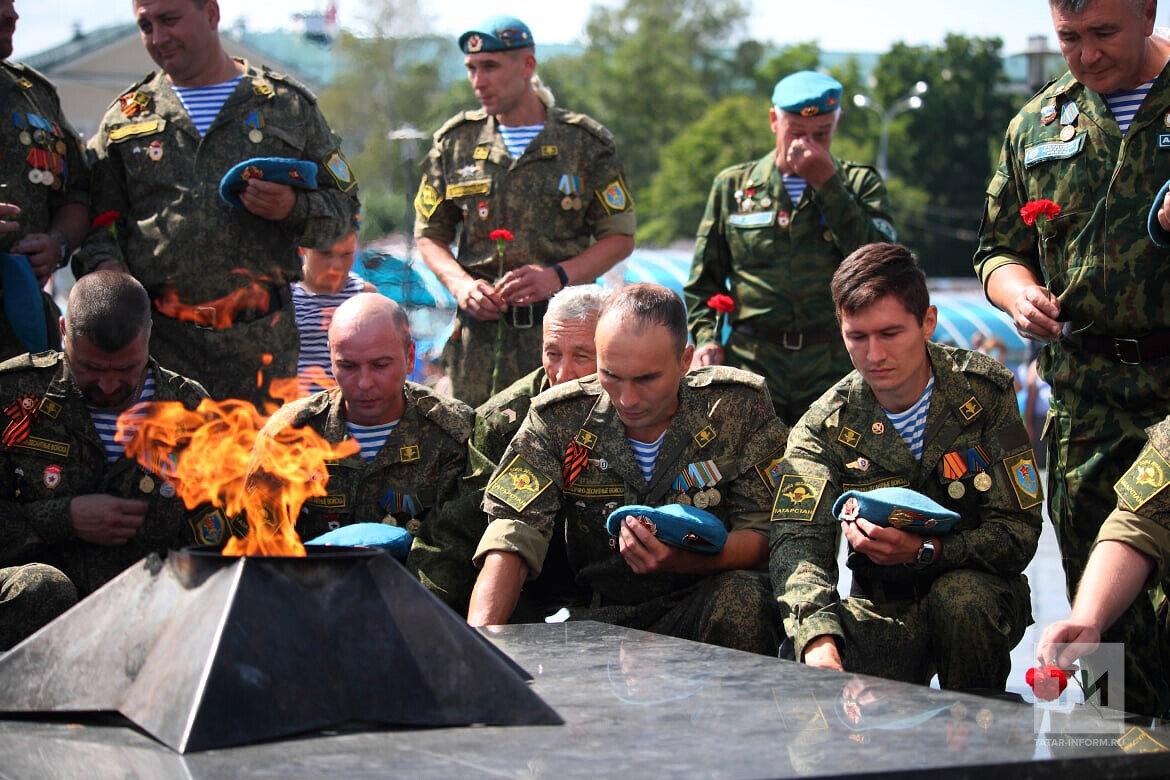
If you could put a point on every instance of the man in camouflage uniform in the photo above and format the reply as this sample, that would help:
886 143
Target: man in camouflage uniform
954 604
219 275
442 557
65 502
1083 275
1131 554
419 461
44 209
563 198
778 252
717 440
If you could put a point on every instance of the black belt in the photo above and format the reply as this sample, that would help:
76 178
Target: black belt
519 317
211 316
791 341
1130 351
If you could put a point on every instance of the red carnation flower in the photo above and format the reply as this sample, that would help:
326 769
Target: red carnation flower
721 303
1036 208
106 219
502 234
1047 682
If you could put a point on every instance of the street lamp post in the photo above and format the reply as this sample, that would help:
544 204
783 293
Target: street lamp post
408 138
909 102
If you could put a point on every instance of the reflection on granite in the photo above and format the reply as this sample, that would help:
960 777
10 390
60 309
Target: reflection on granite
637 703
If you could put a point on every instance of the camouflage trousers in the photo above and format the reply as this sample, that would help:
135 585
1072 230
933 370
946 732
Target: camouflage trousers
796 377
482 358
963 629
733 609
30 597
1094 433
236 362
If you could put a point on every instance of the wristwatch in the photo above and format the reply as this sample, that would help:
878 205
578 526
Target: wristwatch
564 277
925 554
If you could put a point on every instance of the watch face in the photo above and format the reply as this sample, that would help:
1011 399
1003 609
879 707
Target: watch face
926 553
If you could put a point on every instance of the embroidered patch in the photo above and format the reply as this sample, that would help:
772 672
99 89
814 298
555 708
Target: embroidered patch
340 171
586 439
797 497
769 471
518 484
50 408
481 153
877 483
426 201
474 187
1024 478
755 219
848 437
1053 150
409 453
886 228
331 501
209 527
60 448
548 151
1146 478
970 409
596 491
614 197
137 129
705 436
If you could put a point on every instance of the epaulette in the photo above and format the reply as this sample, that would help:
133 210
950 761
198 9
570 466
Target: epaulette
853 165
187 390
130 90
46 359
32 74
725 375
450 414
288 80
586 122
982 366
474 115
587 387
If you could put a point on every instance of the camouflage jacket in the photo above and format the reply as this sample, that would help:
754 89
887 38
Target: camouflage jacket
564 192
152 167
1142 516
724 418
846 442
441 555
773 251
1096 254
62 456
416 469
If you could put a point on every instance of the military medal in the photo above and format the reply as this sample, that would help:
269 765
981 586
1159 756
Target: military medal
1067 133
782 219
683 498
978 461
25 138
1048 114
255 122
35 176
1166 118
52 476
155 150
704 475
827 235
878 428
146 484
713 497
166 490
567 203
982 482
701 500
956 490
482 209
765 202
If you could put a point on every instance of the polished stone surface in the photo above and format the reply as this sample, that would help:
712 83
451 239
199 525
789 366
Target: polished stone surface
637 704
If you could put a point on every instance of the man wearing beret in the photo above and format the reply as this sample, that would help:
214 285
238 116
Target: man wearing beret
942 422
218 274
1064 249
44 209
549 177
642 431
773 234
70 495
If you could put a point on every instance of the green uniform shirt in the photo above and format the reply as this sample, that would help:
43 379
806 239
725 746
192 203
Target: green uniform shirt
773 252
62 456
846 442
724 417
416 469
565 191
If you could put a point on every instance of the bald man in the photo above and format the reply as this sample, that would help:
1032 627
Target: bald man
413 442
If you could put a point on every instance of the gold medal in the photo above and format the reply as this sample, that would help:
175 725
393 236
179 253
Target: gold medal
827 235
25 138
578 204
701 500
146 484
1067 133
683 499
956 490
255 136
566 203
982 482
60 147
713 497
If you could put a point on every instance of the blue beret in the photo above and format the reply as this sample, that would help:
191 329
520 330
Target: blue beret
902 508
282 170
675 524
807 93
390 538
500 33
1159 236
24 304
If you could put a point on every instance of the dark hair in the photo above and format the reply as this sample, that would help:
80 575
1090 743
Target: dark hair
874 271
1077 7
110 308
651 304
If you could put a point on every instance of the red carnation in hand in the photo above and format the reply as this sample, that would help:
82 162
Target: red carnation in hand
106 219
721 303
1047 682
1036 208
502 234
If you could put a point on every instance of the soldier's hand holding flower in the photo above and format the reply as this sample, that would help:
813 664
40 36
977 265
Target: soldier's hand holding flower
479 299
529 284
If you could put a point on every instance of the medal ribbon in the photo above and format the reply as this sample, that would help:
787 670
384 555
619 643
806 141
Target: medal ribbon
977 459
954 466
576 461
23 412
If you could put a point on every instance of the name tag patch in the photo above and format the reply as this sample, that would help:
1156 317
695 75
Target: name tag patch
755 219
1053 150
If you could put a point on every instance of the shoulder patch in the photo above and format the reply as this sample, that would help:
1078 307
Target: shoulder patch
518 484
475 115
615 198
1146 478
1024 478
340 171
797 497
769 471
426 201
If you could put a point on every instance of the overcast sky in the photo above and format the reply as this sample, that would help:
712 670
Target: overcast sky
842 25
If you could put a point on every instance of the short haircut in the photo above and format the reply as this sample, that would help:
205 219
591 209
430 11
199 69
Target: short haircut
651 304
874 271
1076 7
576 303
109 308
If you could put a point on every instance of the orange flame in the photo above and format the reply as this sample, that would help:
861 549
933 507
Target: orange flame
255 295
216 456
